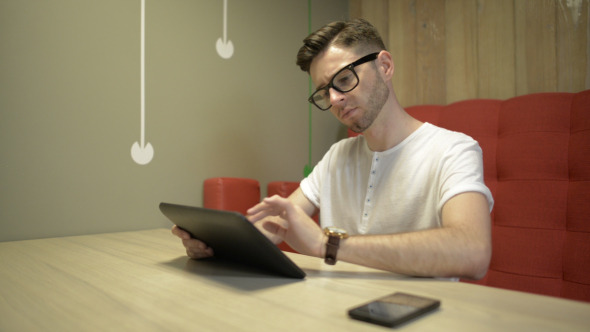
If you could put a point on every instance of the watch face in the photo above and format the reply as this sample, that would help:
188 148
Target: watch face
334 231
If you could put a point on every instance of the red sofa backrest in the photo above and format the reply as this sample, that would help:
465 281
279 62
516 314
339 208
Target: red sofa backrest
536 151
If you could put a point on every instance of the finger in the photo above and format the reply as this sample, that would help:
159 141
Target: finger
184 235
199 254
197 249
260 212
259 216
280 222
273 231
274 228
254 217
257 209
270 206
279 204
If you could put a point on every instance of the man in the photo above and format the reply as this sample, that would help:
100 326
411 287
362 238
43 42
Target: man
405 196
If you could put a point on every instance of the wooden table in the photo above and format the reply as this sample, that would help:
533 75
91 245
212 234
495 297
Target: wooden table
142 281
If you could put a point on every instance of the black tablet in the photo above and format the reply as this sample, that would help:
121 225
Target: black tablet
232 237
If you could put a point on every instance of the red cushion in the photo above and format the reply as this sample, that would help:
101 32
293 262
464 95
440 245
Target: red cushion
533 204
528 251
426 113
231 194
531 284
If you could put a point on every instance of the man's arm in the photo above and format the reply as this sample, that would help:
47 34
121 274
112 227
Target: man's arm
460 248
300 200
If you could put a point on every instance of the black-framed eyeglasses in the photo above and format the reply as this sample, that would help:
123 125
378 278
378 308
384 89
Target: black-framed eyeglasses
345 80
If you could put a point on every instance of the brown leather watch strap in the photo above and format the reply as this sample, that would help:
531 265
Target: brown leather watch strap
332 249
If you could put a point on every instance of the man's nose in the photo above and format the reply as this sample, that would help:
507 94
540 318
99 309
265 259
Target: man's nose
336 97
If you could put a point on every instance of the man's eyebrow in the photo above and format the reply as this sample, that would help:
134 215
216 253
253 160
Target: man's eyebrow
322 87
331 78
318 88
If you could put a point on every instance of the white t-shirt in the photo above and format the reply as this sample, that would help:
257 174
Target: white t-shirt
398 190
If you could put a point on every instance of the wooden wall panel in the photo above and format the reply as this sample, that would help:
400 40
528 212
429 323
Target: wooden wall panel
461 50
430 51
535 46
402 45
573 54
496 50
376 11
450 50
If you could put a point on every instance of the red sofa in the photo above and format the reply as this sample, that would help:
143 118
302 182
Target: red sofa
536 151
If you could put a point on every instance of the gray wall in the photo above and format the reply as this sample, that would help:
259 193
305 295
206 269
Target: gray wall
70 107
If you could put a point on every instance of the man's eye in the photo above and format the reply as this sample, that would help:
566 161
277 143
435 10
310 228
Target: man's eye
344 80
321 94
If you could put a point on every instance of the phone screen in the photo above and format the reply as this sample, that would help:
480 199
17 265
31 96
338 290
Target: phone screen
394 309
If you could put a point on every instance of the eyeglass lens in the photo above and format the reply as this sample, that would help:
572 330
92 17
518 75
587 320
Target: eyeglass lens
343 81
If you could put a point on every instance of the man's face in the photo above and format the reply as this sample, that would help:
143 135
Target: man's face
356 109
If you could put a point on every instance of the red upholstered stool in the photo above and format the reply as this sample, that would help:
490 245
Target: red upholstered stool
284 189
231 194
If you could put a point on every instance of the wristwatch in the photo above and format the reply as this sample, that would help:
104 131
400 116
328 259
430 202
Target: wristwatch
334 235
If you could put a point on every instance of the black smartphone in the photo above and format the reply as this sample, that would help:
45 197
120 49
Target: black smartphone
394 309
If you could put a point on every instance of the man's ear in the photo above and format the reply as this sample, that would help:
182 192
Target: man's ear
385 64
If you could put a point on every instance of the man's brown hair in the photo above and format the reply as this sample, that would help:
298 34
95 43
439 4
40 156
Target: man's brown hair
357 33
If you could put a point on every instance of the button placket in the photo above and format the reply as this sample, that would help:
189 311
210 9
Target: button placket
368 204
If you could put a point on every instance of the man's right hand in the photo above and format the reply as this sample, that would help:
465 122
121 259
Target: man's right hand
194 248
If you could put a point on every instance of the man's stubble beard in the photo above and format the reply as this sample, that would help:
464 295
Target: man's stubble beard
377 99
